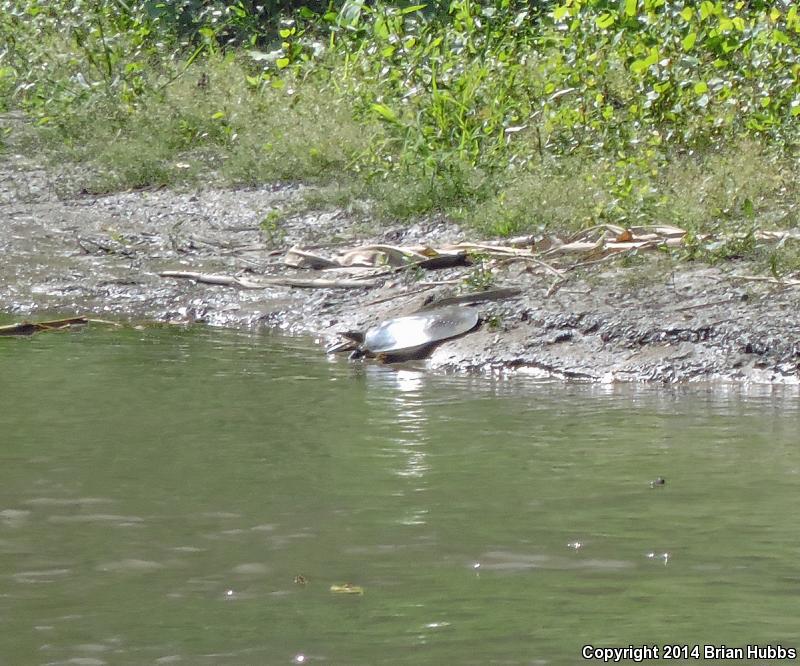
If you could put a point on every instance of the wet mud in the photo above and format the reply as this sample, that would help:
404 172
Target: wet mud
68 254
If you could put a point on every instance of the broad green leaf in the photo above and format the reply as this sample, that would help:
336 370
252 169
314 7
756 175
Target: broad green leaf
560 12
282 63
218 115
706 9
631 7
385 112
254 81
380 29
700 88
605 21
412 8
689 40
350 13
687 13
779 37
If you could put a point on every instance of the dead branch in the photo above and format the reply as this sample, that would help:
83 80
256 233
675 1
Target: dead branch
266 282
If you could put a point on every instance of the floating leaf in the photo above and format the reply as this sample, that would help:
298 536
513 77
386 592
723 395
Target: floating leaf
347 588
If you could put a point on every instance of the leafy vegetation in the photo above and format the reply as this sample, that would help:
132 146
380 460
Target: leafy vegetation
509 115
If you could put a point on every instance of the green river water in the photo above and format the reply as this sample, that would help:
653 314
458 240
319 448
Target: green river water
161 490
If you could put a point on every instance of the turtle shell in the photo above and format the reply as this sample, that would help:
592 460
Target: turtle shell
411 333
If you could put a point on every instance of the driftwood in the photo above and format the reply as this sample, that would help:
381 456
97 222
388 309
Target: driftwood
29 328
266 282
393 257
603 240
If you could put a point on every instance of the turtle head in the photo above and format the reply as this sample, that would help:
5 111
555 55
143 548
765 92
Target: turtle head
354 336
353 339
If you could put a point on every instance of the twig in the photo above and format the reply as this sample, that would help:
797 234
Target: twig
476 297
265 283
550 269
398 295
557 284
601 260
695 306
764 278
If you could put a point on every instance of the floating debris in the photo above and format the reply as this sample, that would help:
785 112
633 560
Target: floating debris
347 588
663 556
659 481
575 545
300 579
29 328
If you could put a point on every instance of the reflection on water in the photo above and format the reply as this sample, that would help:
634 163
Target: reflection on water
191 497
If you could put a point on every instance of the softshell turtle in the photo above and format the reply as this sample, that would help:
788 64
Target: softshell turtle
411 336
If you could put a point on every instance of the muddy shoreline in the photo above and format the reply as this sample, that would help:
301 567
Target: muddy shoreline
656 321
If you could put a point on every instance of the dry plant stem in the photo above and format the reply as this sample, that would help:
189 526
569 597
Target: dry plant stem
399 294
770 280
532 260
265 283
601 260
